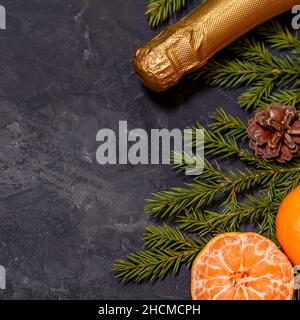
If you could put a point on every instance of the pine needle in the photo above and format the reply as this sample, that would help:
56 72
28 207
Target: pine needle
170 248
279 36
159 11
229 125
267 76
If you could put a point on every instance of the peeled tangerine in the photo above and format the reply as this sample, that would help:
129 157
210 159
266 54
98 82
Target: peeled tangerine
242 266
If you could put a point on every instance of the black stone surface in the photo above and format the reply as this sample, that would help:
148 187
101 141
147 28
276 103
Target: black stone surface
65 73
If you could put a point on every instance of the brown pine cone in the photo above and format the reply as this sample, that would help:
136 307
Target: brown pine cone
275 133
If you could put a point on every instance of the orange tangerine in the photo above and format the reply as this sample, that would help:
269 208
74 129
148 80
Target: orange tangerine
288 225
241 266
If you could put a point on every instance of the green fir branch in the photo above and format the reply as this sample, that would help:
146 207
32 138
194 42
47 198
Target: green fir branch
279 37
214 180
173 250
169 203
167 237
287 97
252 210
195 196
150 265
159 11
229 73
258 92
267 76
229 125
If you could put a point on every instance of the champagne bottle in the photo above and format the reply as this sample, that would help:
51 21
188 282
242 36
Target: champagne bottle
188 44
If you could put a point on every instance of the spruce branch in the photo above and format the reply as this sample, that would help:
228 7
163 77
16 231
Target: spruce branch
229 73
279 37
150 265
159 11
267 76
167 237
287 97
166 204
252 210
219 145
224 123
169 250
258 92
214 180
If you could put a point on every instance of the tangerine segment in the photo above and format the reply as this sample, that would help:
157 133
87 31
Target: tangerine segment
241 266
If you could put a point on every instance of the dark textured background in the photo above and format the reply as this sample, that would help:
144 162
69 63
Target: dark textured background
65 73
